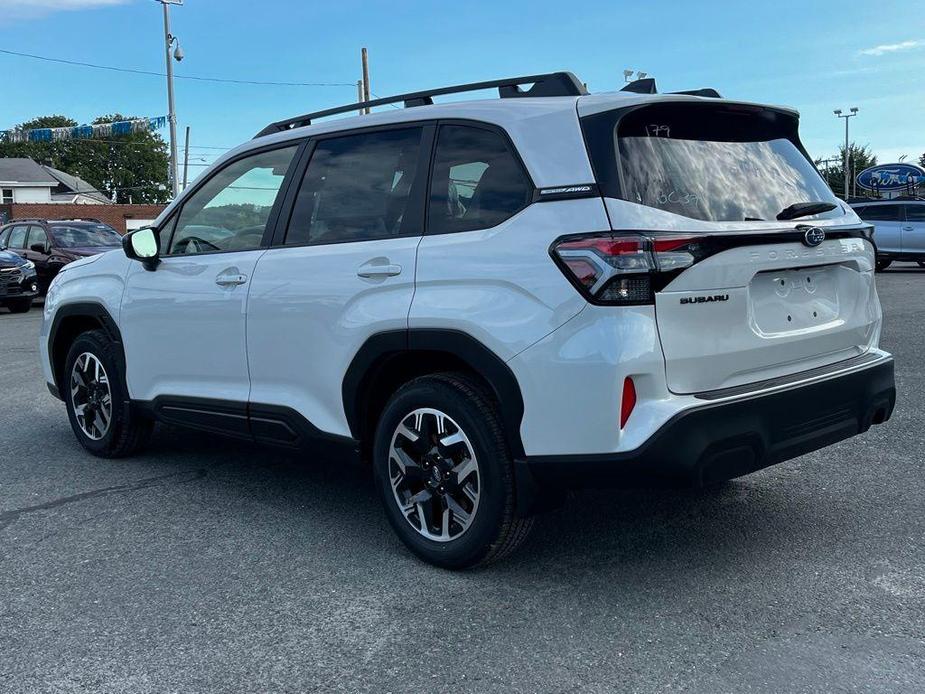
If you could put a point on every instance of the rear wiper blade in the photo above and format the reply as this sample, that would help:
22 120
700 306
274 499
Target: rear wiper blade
802 209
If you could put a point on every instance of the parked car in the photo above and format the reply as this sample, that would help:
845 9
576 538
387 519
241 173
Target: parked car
18 282
899 229
53 243
491 301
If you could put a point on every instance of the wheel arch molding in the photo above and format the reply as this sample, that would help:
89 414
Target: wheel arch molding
370 378
70 321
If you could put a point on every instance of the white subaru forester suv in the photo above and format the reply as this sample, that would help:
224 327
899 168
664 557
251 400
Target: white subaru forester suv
491 301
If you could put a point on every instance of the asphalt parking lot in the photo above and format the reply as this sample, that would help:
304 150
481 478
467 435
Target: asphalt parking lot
211 566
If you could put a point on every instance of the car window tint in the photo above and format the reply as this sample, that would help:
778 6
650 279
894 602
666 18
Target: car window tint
915 213
18 237
230 211
356 188
881 213
36 235
477 181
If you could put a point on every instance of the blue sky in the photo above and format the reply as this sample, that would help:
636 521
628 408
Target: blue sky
815 55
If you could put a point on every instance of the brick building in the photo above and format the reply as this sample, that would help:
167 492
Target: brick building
122 218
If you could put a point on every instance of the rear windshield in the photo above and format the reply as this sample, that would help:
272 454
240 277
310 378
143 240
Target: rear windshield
715 164
85 236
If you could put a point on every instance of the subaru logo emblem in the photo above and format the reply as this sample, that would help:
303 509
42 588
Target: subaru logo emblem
813 236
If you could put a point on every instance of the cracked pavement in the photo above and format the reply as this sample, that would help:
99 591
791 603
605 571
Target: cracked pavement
205 565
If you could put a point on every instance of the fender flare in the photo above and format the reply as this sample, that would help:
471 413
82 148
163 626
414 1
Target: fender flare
380 347
84 309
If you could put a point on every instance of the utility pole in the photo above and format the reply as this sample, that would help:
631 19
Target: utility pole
186 158
171 109
846 116
360 95
364 56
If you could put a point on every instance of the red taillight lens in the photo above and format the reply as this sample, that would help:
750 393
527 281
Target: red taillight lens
627 268
628 400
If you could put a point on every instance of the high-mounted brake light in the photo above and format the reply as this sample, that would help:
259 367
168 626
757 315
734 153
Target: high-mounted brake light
625 269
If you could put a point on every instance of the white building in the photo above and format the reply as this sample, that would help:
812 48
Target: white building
24 180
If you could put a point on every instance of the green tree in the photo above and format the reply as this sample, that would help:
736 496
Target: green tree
833 168
133 166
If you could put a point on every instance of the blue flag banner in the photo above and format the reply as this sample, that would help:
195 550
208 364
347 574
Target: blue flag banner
85 132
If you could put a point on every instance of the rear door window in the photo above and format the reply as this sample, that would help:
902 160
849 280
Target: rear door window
18 237
357 188
477 181
881 213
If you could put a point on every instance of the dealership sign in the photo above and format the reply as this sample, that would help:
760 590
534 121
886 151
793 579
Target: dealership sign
884 177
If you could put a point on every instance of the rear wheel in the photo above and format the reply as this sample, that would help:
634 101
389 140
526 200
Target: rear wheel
19 305
445 475
97 401
883 264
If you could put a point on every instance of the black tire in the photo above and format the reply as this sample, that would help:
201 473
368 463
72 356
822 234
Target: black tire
19 305
883 264
127 432
494 531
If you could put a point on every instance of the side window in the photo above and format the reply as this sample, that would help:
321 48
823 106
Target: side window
881 213
18 237
915 213
356 188
37 235
230 211
477 182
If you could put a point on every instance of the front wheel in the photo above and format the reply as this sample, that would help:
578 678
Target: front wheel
445 475
97 401
883 264
19 305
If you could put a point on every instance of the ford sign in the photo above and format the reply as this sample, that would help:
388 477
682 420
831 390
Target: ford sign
885 177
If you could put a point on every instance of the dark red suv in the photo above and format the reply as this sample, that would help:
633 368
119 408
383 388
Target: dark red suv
53 243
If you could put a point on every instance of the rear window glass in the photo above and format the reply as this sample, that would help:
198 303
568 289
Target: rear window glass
915 213
715 164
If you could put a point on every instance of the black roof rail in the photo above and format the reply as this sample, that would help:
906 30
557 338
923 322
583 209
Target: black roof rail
647 86
549 84
707 92
644 86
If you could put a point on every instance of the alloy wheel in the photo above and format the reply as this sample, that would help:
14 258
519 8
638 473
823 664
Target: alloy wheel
91 396
434 474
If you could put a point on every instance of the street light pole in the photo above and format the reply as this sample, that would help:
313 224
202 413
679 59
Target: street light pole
846 116
171 109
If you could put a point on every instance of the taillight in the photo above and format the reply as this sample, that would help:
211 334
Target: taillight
625 269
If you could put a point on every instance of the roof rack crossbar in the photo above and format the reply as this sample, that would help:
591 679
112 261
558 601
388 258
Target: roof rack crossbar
549 84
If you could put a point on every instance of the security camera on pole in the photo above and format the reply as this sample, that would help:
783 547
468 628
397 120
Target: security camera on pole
169 40
846 116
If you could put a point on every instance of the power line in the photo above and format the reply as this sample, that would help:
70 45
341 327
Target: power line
152 73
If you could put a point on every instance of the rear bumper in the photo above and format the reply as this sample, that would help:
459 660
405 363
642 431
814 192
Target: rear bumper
729 437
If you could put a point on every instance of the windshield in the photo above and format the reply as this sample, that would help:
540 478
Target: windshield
85 236
715 164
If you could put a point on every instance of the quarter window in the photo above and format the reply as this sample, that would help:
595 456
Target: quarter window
357 188
477 182
230 211
915 213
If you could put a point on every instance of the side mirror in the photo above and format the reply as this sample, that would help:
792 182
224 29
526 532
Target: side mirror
142 245
39 248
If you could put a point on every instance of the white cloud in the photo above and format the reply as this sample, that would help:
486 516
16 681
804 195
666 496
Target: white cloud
892 48
32 9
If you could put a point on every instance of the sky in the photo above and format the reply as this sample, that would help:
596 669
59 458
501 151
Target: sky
814 55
